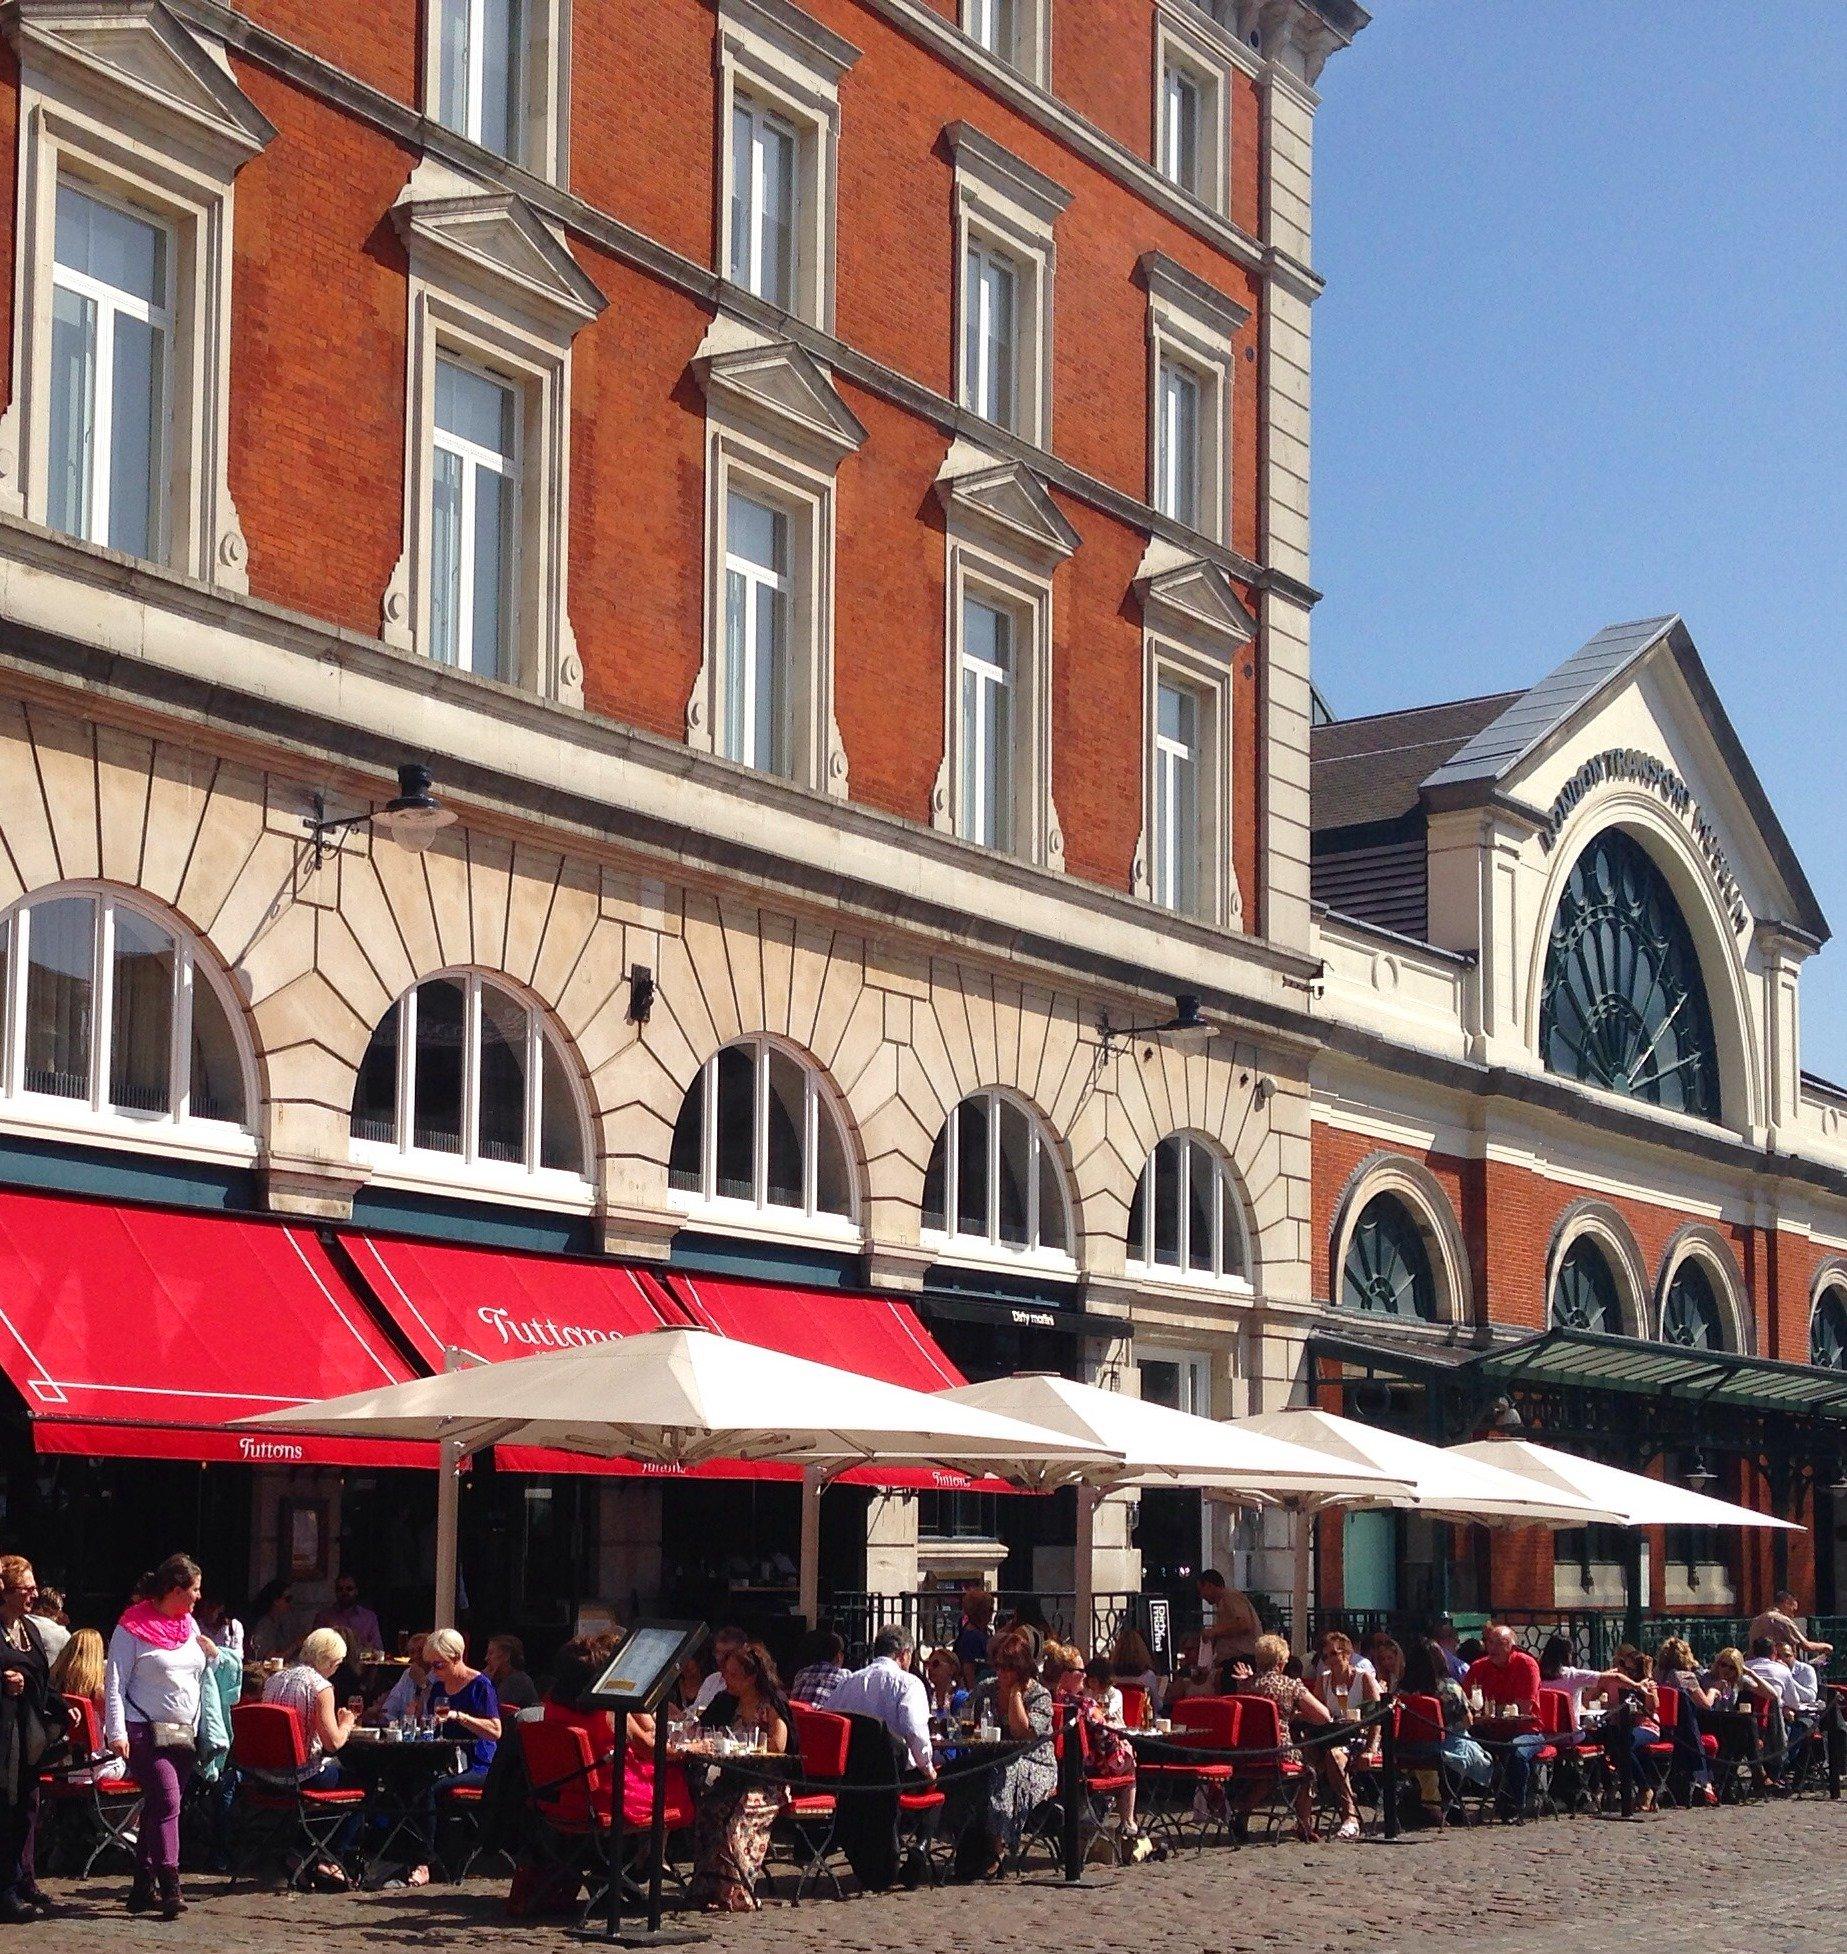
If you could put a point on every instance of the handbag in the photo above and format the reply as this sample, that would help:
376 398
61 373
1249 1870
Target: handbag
167 1736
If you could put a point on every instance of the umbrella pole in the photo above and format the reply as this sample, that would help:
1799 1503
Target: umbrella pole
1084 1570
448 1526
1301 1541
812 1486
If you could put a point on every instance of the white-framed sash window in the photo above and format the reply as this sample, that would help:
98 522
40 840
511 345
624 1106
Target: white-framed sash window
474 525
110 335
991 355
1175 868
1180 127
482 57
988 692
756 724
995 1184
765 185
1177 456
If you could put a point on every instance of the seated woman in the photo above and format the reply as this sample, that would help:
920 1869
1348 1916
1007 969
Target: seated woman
1558 1670
1676 1669
942 1675
1731 1712
1297 1703
1387 1659
1631 1678
1015 1699
1108 1751
1426 1673
464 1708
577 1665
1100 1687
731 1837
1132 1661
305 1687
78 1673
1344 1681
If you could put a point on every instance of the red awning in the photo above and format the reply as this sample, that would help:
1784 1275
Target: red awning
499 1303
141 1332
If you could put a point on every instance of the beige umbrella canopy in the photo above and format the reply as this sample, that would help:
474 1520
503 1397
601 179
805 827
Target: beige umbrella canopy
1143 1445
679 1397
1435 1480
1632 1498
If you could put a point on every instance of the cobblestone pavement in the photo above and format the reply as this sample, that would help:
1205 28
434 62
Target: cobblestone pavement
1759 1880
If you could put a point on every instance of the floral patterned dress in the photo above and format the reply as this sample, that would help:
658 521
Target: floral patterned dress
1023 1784
731 1834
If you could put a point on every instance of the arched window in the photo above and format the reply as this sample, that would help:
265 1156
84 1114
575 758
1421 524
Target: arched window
1691 1316
460 1069
1584 1293
1185 1215
113 1012
993 1180
1828 1330
756 1130
1387 1269
1624 1004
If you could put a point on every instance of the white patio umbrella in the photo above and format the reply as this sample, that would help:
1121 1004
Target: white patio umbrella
679 1397
1633 1498
1149 1445
1436 1480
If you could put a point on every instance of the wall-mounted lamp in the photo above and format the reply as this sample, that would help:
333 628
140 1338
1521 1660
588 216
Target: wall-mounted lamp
1187 1030
413 817
640 993
1503 1420
1701 1479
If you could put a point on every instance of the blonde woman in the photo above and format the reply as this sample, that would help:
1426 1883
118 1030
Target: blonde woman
305 1687
78 1672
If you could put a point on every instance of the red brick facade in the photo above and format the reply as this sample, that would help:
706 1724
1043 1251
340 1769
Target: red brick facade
318 367
1509 1218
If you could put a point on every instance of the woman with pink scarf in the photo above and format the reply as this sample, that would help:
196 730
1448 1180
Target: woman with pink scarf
157 1662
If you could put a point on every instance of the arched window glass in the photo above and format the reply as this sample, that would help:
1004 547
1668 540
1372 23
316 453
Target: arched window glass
117 1016
1828 1330
1185 1218
1387 1269
462 1068
757 1130
1691 1317
1584 1293
994 1180
1624 1004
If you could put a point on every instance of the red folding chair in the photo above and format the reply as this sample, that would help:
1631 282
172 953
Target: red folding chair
809 1819
1266 1781
1134 1704
573 1820
98 1816
1171 1783
278 1808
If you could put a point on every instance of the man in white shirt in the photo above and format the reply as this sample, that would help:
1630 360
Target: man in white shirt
1789 1725
887 1691
725 1643
1802 1674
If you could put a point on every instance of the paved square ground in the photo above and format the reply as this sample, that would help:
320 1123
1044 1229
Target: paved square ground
1763 1880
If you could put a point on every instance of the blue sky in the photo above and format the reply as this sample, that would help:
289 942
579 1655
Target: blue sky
1583 357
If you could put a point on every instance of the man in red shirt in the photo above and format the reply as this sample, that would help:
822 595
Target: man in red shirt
1506 1675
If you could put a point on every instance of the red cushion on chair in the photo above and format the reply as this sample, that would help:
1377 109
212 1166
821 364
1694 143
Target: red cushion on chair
56 1787
462 1794
1120 1781
921 1801
337 1795
813 1805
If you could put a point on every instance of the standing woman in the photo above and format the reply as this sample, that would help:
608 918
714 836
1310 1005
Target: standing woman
27 1731
151 1709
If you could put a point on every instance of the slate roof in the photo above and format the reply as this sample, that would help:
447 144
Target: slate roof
1367 771
1531 715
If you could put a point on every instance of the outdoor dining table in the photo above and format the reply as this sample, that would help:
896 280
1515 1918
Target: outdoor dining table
397 1773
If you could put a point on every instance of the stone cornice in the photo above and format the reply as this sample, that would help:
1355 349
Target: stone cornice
92 631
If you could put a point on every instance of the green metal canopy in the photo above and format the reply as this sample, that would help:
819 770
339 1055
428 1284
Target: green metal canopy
1595 1361
1708 1377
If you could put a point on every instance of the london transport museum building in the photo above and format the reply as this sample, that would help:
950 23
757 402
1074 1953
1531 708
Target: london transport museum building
822 490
